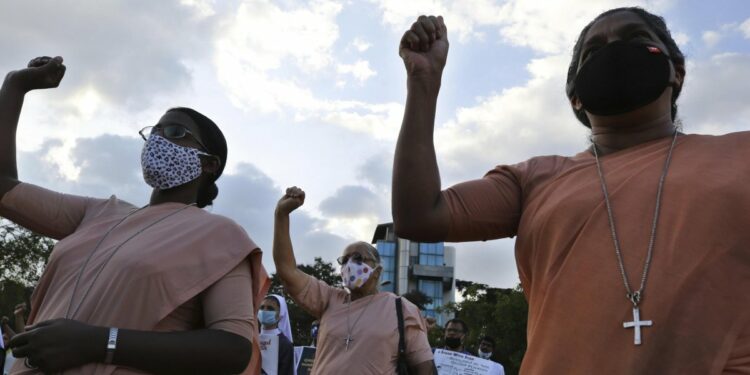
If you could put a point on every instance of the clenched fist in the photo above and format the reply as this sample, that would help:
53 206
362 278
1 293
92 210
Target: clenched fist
41 73
293 199
424 48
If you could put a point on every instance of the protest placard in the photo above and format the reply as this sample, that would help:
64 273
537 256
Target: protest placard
455 363
304 358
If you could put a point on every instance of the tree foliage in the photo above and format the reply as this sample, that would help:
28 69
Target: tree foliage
300 320
23 255
418 298
499 313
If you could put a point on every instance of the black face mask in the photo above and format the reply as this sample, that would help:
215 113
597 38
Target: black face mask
621 77
453 342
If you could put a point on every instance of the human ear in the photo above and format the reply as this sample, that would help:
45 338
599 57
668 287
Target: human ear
576 103
210 164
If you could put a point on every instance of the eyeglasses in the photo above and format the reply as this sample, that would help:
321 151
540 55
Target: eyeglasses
356 257
453 330
170 131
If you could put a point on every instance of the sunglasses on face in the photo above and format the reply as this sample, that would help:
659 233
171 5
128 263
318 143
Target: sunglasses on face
356 257
170 131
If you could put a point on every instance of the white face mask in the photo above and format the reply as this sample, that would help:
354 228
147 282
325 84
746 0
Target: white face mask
166 164
355 275
484 355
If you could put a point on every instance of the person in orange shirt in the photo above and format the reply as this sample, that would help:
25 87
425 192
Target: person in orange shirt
633 253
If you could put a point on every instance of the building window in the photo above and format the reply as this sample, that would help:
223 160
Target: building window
431 254
388 254
434 290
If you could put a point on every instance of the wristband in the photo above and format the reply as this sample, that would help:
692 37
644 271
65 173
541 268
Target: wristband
111 345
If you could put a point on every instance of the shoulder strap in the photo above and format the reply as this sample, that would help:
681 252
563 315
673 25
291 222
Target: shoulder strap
400 315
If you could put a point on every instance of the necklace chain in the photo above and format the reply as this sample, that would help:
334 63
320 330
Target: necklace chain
106 261
349 327
637 296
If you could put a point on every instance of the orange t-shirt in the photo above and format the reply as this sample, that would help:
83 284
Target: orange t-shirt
374 330
179 267
698 288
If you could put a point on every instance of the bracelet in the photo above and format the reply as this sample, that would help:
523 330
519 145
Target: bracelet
111 345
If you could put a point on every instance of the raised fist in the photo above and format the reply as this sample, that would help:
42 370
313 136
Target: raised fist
293 199
42 73
424 47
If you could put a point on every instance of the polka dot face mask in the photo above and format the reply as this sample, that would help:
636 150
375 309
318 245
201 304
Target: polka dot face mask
166 164
355 275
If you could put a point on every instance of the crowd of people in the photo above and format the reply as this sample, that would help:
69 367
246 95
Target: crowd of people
172 288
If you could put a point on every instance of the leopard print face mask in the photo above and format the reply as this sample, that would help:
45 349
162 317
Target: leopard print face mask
166 165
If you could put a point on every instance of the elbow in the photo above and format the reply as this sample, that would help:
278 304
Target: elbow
418 231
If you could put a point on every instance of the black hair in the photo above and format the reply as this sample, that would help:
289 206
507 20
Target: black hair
463 324
656 24
489 339
274 299
216 145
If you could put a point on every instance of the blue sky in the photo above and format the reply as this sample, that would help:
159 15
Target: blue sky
311 93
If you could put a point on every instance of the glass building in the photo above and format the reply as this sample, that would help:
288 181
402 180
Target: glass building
410 266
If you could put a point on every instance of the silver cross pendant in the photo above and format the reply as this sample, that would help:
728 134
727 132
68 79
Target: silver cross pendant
636 324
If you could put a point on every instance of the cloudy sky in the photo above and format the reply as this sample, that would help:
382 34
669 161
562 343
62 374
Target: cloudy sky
311 93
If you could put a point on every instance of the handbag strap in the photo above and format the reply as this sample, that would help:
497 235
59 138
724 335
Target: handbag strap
400 315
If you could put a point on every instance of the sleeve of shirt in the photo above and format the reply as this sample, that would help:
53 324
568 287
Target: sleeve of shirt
314 297
417 347
228 303
43 211
486 208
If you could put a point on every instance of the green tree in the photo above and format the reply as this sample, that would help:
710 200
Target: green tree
23 255
300 320
499 313
418 298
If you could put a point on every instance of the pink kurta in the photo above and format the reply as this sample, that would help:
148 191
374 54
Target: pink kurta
179 267
698 288
374 329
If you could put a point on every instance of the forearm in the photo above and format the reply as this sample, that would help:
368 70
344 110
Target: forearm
205 351
11 102
283 255
417 207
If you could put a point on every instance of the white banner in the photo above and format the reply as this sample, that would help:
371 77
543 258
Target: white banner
269 351
454 363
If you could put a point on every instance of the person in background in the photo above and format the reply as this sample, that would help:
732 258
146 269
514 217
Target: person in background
359 325
486 348
314 332
455 336
273 316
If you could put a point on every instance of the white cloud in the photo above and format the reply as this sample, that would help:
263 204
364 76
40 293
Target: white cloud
360 44
711 38
715 96
202 8
682 39
259 42
360 70
512 125
745 28
534 24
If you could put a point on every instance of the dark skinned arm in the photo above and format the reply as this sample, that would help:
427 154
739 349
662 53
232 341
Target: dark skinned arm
419 212
41 73
61 344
